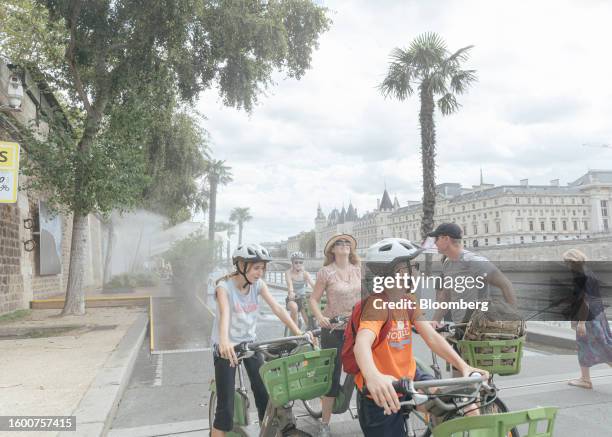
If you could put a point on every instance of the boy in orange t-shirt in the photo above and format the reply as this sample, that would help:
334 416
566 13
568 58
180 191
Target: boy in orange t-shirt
392 358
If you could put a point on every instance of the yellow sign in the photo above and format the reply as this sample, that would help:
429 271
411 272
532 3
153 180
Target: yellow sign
9 171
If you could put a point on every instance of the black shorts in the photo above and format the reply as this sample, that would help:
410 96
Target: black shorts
334 340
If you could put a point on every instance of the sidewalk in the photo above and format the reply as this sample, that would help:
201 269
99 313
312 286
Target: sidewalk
74 365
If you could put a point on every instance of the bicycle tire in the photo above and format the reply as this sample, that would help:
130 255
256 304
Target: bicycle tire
496 407
420 428
314 408
212 407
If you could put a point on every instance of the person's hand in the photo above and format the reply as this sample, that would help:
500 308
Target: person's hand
468 370
380 387
311 338
226 350
581 329
324 322
435 325
291 295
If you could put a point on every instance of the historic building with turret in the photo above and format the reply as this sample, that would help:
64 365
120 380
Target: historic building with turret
489 215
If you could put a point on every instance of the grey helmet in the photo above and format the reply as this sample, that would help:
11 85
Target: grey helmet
382 256
296 255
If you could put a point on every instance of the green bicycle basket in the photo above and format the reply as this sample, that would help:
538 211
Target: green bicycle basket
304 376
499 425
501 357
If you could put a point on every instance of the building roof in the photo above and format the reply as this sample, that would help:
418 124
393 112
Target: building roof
385 203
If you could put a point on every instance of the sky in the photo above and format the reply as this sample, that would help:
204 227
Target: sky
543 91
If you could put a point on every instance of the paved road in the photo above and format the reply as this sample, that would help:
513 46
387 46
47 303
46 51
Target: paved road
168 391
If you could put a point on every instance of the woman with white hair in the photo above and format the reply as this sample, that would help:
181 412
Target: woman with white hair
593 334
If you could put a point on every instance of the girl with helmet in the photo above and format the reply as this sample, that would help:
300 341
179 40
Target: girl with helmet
297 280
237 297
392 358
340 280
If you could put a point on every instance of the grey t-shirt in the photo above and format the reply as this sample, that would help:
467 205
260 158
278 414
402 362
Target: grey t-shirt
243 312
469 265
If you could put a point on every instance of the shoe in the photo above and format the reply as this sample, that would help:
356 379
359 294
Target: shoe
582 383
324 430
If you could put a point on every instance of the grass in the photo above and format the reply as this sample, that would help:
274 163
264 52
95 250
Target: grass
15 315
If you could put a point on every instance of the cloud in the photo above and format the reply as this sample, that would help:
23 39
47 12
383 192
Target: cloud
332 138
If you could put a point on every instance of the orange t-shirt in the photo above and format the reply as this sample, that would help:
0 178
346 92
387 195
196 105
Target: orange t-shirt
393 356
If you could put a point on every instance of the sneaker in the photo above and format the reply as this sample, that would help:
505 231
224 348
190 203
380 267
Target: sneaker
324 430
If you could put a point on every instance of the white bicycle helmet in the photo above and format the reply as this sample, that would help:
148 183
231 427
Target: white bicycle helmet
251 253
383 255
296 255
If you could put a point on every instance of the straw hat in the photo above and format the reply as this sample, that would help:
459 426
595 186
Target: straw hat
330 243
574 255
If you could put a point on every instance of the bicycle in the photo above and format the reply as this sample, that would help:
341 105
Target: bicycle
304 323
308 369
343 400
490 405
450 401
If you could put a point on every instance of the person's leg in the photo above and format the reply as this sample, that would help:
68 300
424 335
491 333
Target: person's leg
224 381
252 365
374 422
293 310
331 340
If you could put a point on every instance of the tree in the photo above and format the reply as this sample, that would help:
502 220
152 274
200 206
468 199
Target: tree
217 173
231 230
308 244
428 65
94 53
240 216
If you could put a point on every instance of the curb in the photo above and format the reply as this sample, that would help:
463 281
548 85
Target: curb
99 404
564 338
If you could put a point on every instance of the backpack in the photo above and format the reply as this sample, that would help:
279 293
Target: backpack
349 363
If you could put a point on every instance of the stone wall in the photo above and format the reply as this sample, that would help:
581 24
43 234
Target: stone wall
11 281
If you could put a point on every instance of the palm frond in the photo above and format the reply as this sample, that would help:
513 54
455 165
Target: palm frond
397 81
448 104
461 55
461 79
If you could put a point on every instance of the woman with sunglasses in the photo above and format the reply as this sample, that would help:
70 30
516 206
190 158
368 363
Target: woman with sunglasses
340 280
297 280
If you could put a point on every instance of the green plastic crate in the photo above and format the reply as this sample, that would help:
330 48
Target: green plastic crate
306 375
501 357
499 425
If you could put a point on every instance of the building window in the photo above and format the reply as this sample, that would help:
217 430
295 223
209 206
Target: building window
529 200
462 207
475 227
498 226
473 206
605 225
496 213
544 238
533 238
485 215
553 225
542 226
518 212
517 200
604 208
585 225
556 237
583 200
486 241
495 201
540 200
564 223
522 239
486 226
464 229
530 225
498 240
575 225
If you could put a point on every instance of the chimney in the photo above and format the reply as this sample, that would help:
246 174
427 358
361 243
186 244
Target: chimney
377 203
554 182
524 182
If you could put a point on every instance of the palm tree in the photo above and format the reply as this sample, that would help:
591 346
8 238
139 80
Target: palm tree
240 215
437 73
217 173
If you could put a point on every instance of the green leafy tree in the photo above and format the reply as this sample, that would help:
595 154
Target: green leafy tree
308 244
217 174
428 66
240 216
95 53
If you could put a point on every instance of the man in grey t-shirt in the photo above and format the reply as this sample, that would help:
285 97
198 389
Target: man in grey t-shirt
459 266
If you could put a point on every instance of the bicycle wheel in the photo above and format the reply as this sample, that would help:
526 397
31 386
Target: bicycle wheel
496 407
419 423
314 407
212 407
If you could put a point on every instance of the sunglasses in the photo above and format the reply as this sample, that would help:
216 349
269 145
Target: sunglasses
342 243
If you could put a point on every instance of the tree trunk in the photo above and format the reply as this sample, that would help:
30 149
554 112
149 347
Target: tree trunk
106 275
75 294
428 160
212 210
240 233
229 255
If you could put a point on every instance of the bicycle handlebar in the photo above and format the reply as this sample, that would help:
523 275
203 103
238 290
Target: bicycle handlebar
247 346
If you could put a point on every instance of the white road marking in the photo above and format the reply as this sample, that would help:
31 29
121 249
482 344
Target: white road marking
159 368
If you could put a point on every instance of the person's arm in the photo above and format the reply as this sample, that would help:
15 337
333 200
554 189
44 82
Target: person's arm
499 280
442 295
226 348
440 347
308 279
290 292
379 385
315 298
278 310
